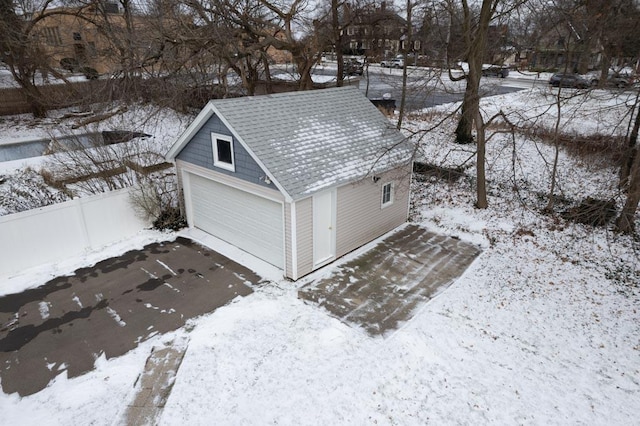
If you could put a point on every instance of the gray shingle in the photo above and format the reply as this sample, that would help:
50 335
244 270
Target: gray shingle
314 140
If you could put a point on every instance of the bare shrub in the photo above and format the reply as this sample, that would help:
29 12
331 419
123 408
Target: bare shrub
592 211
154 194
84 164
593 148
440 172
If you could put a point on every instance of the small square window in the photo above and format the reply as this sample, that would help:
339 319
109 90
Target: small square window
223 151
387 194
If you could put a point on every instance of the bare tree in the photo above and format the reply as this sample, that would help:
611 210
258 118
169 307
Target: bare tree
475 28
632 142
408 41
21 49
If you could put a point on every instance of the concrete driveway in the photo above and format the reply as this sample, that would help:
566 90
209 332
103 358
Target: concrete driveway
69 322
383 287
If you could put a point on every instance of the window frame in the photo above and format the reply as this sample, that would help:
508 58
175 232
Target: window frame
215 137
389 202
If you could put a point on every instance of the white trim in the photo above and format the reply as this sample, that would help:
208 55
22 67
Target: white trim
252 188
409 191
391 195
294 241
186 190
283 215
215 137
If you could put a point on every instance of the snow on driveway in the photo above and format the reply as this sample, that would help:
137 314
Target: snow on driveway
128 299
382 288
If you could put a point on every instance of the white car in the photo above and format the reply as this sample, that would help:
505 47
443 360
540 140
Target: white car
392 63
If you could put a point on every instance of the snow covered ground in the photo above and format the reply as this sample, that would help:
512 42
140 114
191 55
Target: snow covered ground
22 185
541 329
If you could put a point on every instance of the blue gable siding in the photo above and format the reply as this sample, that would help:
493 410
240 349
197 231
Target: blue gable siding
199 151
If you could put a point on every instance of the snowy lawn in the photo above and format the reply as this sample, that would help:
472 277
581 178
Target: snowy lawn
541 329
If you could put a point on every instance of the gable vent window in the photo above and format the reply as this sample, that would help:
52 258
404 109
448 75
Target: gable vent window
387 194
223 152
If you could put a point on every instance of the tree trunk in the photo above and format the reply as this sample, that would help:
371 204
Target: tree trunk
556 156
38 109
476 48
304 69
267 75
481 190
337 37
463 130
632 149
626 221
403 96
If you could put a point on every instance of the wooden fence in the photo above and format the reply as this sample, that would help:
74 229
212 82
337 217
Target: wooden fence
14 100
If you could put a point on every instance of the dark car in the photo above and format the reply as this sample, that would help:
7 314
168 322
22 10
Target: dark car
90 73
565 79
353 67
613 80
69 64
495 71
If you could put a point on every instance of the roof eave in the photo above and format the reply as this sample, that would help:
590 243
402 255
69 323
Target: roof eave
373 171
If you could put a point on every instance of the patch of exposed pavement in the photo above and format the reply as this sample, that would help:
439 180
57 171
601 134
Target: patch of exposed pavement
382 288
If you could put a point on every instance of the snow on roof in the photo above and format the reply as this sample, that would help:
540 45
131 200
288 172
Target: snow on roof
310 140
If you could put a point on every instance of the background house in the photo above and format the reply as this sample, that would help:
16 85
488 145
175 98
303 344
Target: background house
297 179
374 30
96 36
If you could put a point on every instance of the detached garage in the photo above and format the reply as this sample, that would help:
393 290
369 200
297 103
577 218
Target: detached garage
296 179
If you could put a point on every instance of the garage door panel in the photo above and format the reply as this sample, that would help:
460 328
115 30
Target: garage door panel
245 220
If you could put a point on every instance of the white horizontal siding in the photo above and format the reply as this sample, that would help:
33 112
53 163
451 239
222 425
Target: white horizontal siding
360 216
304 226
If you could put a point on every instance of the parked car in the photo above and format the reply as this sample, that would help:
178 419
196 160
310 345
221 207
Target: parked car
90 73
562 79
353 67
501 71
69 64
613 80
72 65
397 62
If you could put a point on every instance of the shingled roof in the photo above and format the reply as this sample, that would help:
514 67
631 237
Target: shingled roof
310 140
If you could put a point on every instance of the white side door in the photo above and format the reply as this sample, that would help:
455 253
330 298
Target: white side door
324 227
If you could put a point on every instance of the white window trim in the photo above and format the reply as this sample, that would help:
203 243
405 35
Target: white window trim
391 195
214 145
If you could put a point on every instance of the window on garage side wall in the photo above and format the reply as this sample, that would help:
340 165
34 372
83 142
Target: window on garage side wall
387 194
223 151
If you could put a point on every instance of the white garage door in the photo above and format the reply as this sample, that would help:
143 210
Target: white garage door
247 221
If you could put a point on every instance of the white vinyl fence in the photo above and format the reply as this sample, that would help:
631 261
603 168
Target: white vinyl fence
59 231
